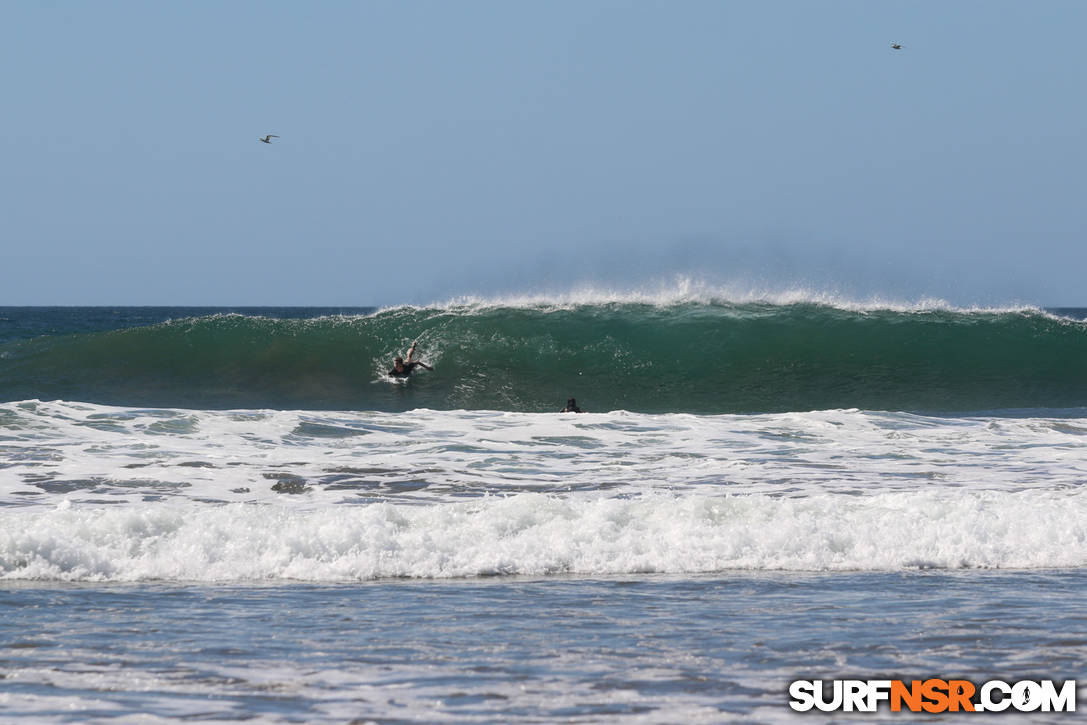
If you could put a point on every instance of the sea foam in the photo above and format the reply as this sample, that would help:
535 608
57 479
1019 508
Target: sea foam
538 535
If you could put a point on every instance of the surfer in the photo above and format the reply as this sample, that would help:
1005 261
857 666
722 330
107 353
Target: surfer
402 368
571 407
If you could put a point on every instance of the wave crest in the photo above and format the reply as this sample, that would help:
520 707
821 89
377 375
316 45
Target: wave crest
683 290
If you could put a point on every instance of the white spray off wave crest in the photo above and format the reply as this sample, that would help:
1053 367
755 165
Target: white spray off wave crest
683 290
535 535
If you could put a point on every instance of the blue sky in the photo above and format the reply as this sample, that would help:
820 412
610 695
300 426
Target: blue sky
435 149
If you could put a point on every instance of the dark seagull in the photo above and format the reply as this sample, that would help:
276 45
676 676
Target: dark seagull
896 46
268 138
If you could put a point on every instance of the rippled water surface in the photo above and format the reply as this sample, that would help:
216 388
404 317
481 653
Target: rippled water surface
654 649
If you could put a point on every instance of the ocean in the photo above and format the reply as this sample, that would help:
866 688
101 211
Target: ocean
225 514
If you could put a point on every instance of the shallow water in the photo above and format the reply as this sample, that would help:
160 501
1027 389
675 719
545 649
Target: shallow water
654 649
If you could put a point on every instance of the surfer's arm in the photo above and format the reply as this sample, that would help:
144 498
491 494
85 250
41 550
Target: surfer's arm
423 365
411 352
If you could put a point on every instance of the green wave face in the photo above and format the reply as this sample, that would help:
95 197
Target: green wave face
698 357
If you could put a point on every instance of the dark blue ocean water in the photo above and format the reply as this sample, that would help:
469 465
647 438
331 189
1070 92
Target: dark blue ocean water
18 323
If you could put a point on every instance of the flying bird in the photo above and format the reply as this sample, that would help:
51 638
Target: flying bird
896 46
268 138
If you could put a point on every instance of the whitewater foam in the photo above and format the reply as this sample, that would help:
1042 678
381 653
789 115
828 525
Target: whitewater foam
106 493
86 453
536 535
